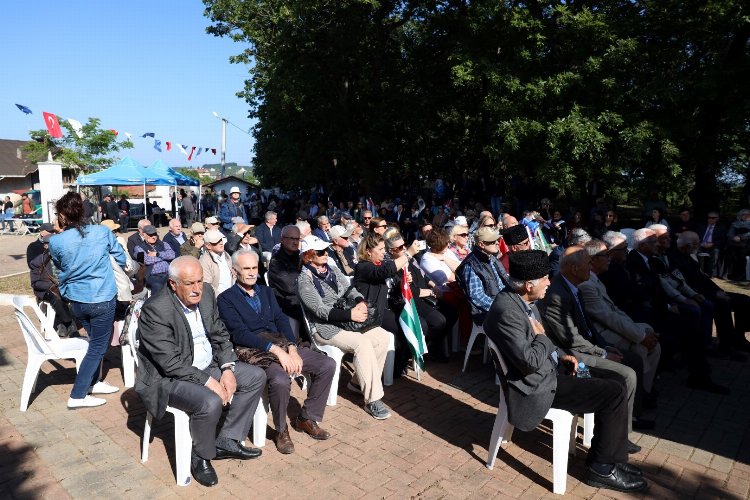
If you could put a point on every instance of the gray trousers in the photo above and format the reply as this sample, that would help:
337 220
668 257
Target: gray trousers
206 410
626 371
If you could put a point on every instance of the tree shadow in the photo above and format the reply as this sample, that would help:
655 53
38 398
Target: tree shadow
18 474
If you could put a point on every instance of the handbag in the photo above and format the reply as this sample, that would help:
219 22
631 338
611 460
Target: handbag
374 316
261 357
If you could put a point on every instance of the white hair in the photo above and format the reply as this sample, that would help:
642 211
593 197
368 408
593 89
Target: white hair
178 264
578 236
519 285
303 226
594 247
640 235
613 238
658 228
687 238
322 218
243 251
269 215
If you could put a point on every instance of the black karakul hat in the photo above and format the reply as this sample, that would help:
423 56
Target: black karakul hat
528 265
515 234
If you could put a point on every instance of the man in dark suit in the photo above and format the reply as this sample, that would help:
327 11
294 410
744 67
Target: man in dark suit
251 313
568 327
137 238
175 237
713 237
541 376
268 233
186 361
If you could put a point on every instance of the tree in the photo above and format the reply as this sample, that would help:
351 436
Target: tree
92 150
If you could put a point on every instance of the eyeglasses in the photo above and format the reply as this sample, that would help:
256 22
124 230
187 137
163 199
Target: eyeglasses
712 217
384 225
489 225
398 249
320 253
490 242
463 235
344 237
291 238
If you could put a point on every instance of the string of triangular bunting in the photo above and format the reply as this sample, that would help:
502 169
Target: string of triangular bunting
53 127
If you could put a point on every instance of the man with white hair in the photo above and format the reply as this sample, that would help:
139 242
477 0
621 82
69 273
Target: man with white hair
340 251
137 238
268 234
613 325
216 263
577 236
322 230
283 271
678 331
175 237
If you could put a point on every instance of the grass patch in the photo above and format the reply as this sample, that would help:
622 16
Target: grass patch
16 285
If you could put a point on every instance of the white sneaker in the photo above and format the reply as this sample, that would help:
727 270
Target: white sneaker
87 402
103 387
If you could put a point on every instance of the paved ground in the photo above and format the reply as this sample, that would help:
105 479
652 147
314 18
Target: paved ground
434 446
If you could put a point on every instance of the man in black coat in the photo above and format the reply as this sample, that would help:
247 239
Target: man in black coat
541 376
713 237
283 271
187 361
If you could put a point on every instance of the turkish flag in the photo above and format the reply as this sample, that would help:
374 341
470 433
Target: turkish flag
169 145
53 126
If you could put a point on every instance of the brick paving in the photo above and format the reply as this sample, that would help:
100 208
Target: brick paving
434 446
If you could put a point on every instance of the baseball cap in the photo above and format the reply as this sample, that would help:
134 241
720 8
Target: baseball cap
49 227
197 227
487 234
312 243
150 230
339 232
213 236
460 221
212 220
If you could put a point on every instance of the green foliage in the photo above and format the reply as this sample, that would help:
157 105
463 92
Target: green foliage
93 151
641 95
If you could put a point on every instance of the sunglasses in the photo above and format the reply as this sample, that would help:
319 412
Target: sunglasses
367 218
384 225
713 217
398 248
489 225
463 235
320 253
490 242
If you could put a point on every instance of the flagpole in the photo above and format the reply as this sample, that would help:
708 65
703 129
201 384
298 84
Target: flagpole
223 142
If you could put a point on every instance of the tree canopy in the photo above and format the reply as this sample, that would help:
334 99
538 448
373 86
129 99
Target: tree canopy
93 149
646 95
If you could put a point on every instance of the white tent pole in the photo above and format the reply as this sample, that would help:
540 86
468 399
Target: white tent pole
144 198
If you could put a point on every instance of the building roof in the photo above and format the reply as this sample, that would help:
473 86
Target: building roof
12 161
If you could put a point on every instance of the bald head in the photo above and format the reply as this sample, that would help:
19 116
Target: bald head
575 264
509 221
186 279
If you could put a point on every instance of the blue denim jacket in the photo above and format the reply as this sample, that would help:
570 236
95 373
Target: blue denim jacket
85 268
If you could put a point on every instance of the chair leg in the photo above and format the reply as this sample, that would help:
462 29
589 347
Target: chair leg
29 381
499 430
560 442
588 429
128 367
260 420
183 445
146 437
472 338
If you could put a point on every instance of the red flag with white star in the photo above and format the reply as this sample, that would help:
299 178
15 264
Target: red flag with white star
53 125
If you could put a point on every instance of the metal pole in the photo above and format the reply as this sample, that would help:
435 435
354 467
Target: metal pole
223 145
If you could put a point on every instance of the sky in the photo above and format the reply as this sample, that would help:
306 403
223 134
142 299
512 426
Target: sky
139 66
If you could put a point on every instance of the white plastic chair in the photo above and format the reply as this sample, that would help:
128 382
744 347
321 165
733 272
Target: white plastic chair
563 433
48 324
183 444
476 330
331 351
129 352
41 349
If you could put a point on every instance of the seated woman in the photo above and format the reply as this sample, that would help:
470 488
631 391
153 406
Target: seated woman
460 242
320 287
378 225
436 318
373 277
657 218
439 266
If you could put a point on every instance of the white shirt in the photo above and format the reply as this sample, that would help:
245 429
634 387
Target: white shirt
225 274
202 351
436 270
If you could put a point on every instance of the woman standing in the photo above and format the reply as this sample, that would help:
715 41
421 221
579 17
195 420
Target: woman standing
81 253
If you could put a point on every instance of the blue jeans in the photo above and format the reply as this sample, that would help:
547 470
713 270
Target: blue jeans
97 320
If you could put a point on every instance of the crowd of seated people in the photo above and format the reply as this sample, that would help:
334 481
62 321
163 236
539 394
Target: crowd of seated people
625 313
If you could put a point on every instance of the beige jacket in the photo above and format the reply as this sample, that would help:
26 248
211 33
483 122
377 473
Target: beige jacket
211 272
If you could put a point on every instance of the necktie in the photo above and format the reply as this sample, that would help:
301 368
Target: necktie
709 234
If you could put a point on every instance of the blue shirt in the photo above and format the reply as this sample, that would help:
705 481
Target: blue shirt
85 269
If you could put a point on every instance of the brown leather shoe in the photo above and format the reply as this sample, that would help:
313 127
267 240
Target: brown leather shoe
311 428
284 442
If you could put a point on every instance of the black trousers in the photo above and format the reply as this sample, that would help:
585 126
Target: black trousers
206 409
606 399
62 311
730 332
321 369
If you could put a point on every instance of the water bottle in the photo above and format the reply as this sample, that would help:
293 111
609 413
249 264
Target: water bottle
583 371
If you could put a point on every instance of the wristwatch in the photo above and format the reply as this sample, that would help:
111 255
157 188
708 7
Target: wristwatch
228 367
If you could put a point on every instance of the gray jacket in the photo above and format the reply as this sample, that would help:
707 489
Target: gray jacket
318 308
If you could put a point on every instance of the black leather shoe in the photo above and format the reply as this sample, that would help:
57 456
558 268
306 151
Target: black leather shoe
633 448
617 480
203 471
630 469
234 449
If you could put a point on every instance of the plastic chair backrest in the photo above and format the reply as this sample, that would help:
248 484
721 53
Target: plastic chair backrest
493 347
628 232
133 329
34 340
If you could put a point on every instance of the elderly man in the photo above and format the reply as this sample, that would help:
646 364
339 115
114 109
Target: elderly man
253 318
212 223
268 234
156 255
678 330
614 326
366 218
175 238
283 272
731 332
341 252
322 230
538 376
232 208
713 237
186 361
216 263
137 238
481 275
578 236
194 245
569 326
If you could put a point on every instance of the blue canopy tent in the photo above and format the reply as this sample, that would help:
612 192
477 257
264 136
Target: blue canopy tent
126 172
161 168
